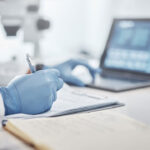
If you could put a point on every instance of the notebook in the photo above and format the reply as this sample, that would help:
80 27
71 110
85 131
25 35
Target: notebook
101 130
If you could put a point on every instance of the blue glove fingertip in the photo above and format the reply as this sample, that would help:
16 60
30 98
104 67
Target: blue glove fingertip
60 83
75 81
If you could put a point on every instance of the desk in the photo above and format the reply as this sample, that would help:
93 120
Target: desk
137 102
137 106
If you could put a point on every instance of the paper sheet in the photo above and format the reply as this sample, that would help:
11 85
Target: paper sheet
69 101
105 130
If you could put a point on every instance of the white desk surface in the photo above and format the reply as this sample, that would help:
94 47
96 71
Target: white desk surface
137 102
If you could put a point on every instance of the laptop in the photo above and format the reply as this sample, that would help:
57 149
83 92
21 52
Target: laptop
125 62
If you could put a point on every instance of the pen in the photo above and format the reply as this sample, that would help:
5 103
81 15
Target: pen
32 68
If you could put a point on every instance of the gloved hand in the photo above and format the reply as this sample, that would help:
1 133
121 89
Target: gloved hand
31 93
66 69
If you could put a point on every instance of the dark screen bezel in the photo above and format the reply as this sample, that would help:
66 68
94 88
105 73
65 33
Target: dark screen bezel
115 70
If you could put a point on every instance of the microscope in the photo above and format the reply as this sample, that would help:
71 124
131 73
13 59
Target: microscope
25 15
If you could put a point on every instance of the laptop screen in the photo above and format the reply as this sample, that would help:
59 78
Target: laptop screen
128 47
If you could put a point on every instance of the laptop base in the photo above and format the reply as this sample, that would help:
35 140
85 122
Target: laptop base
117 85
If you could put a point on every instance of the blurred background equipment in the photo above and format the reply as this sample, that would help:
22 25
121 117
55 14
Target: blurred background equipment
17 14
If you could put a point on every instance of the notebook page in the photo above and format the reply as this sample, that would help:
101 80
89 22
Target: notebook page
97 130
69 100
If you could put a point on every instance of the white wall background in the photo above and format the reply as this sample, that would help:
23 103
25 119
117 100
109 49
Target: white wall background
85 24
76 25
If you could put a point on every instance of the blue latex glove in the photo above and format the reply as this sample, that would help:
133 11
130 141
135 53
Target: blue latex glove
67 67
31 93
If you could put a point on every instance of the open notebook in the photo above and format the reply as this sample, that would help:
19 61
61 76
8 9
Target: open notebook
101 130
70 101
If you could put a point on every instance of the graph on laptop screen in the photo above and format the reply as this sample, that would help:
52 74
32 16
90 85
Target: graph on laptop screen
128 47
